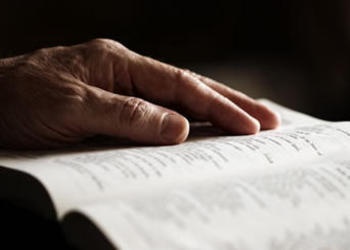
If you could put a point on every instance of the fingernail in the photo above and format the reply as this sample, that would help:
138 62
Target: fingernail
277 120
174 129
252 127
257 125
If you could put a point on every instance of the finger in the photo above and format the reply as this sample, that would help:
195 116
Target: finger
267 118
169 85
133 118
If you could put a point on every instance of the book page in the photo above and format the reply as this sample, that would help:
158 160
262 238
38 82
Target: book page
290 117
295 208
73 177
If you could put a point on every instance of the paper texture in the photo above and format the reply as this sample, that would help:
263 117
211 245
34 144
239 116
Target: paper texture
300 207
282 189
76 177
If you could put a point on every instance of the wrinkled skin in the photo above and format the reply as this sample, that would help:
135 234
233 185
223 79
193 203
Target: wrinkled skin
58 96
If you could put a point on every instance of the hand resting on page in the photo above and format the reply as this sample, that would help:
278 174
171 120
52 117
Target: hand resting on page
61 95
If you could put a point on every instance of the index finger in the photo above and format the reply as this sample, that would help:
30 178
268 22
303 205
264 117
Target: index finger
171 86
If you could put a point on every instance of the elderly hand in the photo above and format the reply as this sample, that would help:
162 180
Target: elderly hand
62 95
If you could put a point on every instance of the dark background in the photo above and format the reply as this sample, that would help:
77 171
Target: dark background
22 229
175 30
294 52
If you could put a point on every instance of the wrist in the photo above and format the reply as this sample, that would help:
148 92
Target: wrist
7 65
7 62
4 66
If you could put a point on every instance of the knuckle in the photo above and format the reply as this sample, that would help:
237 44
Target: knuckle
100 41
76 91
42 51
133 111
99 44
104 44
180 75
105 48
186 78
188 71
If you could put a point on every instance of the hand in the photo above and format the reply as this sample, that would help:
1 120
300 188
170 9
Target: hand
61 95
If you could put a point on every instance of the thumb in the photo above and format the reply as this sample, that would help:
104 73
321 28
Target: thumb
134 118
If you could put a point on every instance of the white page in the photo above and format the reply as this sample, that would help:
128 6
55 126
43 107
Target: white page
299 207
290 117
78 177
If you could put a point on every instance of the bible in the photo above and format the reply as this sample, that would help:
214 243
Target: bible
287 188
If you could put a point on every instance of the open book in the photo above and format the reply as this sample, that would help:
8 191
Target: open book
281 189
